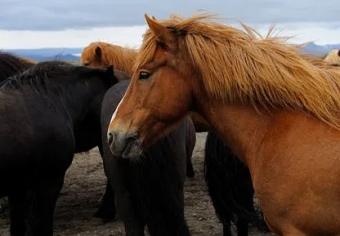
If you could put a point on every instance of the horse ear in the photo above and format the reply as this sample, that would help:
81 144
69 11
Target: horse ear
98 52
164 36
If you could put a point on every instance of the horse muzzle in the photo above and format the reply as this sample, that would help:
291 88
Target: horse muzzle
125 145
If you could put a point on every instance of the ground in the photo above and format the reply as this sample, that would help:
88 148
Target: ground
85 183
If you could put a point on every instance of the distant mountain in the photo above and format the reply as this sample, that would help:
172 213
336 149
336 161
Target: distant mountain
41 54
319 49
73 54
64 57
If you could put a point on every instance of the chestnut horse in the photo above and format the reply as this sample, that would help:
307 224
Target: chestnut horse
101 54
277 111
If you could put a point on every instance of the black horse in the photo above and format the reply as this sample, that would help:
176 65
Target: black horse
44 111
230 187
11 64
149 191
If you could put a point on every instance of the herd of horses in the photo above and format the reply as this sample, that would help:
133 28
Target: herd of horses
271 115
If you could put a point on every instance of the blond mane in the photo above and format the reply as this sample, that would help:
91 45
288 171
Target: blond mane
122 58
241 66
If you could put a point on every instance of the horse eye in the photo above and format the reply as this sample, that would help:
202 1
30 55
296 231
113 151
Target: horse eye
86 63
143 75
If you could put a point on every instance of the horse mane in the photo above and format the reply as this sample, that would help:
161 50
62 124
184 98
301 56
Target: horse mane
238 66
39 75
122 58
11 64
333 57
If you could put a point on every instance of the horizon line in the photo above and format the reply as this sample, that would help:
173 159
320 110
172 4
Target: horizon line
53 47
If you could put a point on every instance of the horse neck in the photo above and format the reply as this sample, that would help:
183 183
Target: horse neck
74 101
241 127
90 104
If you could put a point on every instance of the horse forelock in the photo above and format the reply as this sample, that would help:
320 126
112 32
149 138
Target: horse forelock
244 67
122 58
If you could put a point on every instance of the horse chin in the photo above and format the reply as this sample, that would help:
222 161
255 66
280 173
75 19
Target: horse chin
133 150
125 145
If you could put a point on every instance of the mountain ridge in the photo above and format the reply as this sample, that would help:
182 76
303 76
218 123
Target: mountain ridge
72 54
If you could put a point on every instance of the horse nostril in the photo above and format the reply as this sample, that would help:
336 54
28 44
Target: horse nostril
110 138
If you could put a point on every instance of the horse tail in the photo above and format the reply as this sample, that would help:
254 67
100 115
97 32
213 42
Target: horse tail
228 181
190 144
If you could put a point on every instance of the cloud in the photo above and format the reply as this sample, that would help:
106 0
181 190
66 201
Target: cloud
125 36
132 36
48 15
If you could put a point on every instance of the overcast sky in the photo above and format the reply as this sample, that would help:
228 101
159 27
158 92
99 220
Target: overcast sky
70 23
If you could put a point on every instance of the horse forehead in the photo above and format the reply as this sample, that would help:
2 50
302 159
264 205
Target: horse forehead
161 56
88 53
159 53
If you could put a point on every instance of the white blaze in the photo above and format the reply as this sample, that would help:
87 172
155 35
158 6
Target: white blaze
114 114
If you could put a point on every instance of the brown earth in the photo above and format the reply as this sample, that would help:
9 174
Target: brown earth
85 183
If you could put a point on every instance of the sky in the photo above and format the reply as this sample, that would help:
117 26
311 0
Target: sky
74 23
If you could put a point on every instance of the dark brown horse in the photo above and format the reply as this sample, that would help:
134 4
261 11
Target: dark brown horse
150 191
276 110
45 109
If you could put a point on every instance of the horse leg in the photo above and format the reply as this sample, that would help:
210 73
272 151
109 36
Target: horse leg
107 208
134 227
168 226
190 173
247 197
17 206
166 206
167 219
190 144
242 227
3 205
226 228
46 195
